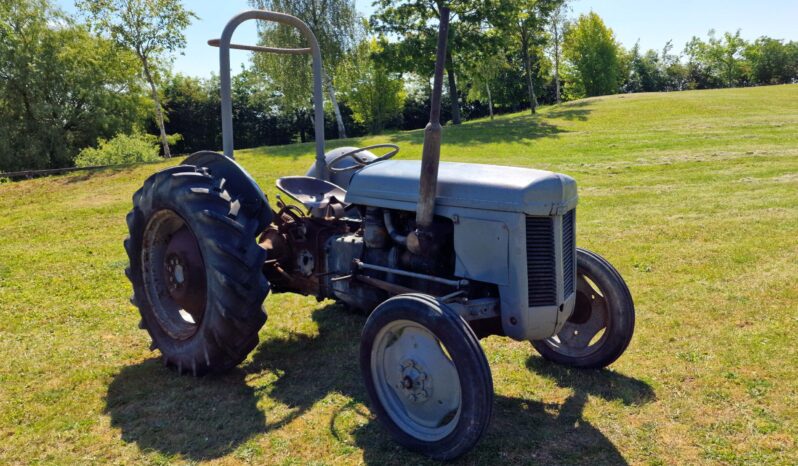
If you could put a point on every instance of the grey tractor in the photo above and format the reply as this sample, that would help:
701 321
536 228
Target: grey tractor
438 254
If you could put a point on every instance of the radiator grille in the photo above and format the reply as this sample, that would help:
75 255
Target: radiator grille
568 252
540 261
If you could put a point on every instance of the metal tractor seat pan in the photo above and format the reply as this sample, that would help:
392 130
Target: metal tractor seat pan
313 193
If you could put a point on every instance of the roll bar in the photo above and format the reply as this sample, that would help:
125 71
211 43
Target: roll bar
225 45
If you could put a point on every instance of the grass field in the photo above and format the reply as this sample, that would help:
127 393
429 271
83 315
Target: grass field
693 196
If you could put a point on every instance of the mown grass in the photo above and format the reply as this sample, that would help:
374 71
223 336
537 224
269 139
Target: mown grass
693 196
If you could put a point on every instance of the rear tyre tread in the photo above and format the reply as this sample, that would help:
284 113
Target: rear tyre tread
236 286
210 216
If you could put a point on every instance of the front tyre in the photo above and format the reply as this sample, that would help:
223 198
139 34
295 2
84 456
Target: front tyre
602 323
426 375
195 268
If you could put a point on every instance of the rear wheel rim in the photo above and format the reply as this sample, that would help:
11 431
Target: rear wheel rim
174 274
416 380
587 329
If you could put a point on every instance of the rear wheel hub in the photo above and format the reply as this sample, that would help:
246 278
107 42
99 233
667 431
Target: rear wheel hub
174 274
184 272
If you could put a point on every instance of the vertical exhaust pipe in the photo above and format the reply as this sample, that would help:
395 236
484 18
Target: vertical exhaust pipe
431 155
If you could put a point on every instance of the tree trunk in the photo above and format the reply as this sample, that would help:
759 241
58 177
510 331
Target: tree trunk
533 99
453 88
490 101
557 84
338 118
557 62
158 109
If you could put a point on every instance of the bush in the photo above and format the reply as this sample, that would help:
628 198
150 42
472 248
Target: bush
122 149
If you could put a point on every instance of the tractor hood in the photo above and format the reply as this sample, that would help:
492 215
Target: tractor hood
394 184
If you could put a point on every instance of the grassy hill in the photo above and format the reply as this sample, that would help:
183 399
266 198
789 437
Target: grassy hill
693 196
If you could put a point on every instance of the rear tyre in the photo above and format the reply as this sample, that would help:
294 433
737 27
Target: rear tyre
602 323
196 269
426 376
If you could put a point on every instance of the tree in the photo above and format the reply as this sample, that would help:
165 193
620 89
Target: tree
527 22
259 119
716 62
673 70
256 113
193 108
484 72
336 26
375 94
557 24
414 23
61 89
593 56
792 54
150 28
770 61
644 73
510 89
731 49
700 72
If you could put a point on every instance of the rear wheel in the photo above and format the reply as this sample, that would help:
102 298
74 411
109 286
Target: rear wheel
426 375
602 323
196 268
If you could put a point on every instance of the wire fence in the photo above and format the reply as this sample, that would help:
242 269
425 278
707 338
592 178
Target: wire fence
29 174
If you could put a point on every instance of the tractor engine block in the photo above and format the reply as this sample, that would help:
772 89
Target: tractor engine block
318 256
295 246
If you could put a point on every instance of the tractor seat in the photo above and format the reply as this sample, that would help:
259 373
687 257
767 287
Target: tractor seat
319 196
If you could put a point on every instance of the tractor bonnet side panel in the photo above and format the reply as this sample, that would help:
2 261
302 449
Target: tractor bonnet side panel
496 247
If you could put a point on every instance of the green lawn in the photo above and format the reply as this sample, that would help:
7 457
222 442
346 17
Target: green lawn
693 196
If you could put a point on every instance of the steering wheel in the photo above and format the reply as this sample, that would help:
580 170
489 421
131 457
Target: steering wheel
362 162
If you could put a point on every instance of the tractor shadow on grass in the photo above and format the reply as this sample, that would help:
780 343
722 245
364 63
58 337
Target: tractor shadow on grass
199 419
207 418
557 433
527 431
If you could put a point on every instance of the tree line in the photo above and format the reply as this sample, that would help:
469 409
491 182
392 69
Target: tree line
86 87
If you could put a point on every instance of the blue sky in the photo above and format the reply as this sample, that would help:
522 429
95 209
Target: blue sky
652 22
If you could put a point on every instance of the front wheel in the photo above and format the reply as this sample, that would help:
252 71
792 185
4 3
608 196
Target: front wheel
602 323
426 376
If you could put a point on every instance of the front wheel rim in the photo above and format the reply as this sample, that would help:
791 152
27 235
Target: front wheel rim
416 380
587 329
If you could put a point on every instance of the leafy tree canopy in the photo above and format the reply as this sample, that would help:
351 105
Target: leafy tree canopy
335 25
152 29
374 93
60 87
593 55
